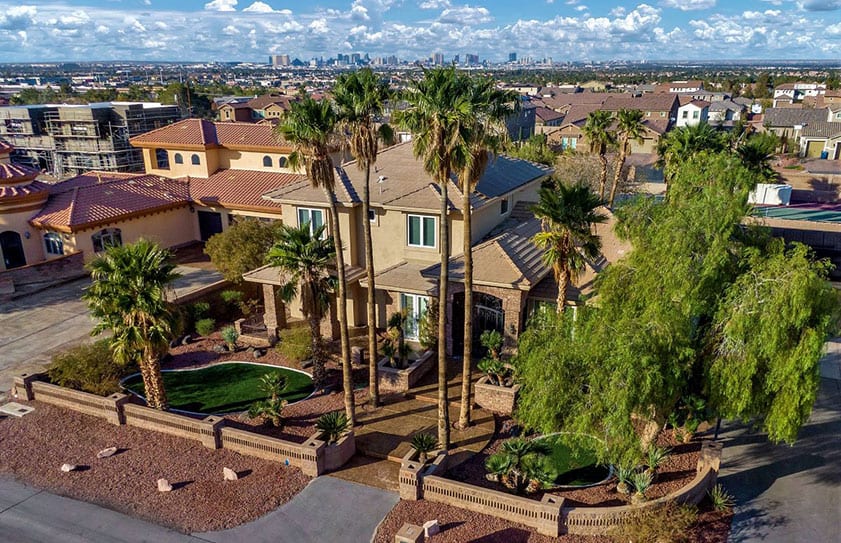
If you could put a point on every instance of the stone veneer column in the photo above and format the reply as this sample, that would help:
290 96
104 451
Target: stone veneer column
274 315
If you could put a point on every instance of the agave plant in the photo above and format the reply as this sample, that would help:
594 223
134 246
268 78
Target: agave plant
656 456
642 482
623 475
332 425
720 498
424 444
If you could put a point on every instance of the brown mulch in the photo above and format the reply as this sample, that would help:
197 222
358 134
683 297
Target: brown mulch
678 470
35 446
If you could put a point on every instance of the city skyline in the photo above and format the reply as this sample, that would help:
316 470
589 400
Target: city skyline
566 30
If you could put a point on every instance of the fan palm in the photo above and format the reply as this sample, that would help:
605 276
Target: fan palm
438 114
757 152
304 258
567 215
599 135
360 97
128 297
629 128
490 108
309 126
681 144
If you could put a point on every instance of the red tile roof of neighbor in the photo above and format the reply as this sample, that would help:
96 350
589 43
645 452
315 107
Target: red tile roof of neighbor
262 102
5 148
97 198
16 173
202 133
9 192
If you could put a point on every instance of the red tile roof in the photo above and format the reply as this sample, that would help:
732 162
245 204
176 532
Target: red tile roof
17 191
5 148
16 173
201 133
264 101
240 188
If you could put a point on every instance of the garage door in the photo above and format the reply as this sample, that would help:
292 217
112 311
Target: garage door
814 149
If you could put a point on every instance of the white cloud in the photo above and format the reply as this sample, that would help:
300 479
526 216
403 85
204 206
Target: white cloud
434 4
221 5
465 15
230 30
688 5
18 17
259 7
319 26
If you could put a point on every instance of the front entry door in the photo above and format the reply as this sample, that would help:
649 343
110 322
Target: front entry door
12 249
210 224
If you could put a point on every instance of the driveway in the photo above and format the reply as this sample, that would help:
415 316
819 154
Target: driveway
35 327
790 494
327 509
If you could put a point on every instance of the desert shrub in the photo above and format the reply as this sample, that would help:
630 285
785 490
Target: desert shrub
230 336
270 409
332 425
89 368
205 327
199 310
295 343
428 327
720 498
670 522
242 247
233 297
424 443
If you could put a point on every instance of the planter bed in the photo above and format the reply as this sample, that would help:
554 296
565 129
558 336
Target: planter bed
499 399
400 380
36 445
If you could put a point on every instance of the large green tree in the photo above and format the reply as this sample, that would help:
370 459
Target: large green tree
360 97
629 127
242 247
757 152
490 108
567 215
305 258
127 296
703 306
439 115
597 129
309 126
681 144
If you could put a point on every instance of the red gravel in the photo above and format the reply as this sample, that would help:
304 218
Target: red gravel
35 447
677 470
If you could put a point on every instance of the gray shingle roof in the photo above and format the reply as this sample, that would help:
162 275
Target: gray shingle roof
777 116
822 129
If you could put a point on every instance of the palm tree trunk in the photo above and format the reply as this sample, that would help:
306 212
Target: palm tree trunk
623 153
341 298
466 369
319 376
373 377
562 275
444 241
153 382
603 178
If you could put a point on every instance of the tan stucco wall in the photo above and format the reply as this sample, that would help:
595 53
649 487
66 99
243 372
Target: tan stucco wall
208 163
33 248
168 228
250 160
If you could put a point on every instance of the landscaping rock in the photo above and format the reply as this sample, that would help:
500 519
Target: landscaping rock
229 474
431 528
258 353
219 349
164 486
105 453
67 468
306 363
186 340
250 349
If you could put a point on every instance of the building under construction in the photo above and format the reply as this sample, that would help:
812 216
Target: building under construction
65 140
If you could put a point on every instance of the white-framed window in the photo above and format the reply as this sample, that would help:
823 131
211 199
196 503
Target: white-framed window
415 307
504 206
313 217
108 237
685 114
696 114
421 231
53 244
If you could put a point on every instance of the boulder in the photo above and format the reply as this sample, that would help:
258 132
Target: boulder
229 475
219 349
258 353
431 528
306 363
105 453
67 468
186 340
164 486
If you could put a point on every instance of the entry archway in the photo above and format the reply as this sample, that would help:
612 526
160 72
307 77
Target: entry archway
488 314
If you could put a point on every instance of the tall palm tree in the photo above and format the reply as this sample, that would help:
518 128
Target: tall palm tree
600 136
305 258
681 144
309 126
360 97
567 238
438 114
128 297
490 108
629 128
757 152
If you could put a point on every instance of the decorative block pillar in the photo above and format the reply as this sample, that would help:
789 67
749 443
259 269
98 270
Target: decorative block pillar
274 315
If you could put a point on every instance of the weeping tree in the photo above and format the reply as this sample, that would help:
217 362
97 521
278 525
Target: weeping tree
703 306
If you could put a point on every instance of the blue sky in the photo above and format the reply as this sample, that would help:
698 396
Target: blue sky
250 30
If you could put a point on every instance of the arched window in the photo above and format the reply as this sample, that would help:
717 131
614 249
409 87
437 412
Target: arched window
267 161
162 159
281 162
53 244
108 237
178 158
195 160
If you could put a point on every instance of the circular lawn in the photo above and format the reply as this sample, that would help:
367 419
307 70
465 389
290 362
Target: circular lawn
222 388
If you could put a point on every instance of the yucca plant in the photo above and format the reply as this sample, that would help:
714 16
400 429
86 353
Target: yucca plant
522 459
720 498
642 482
271 409
332 425
623 475
424 444
230 336
656 456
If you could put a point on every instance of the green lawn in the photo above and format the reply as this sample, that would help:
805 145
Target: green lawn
223 388
572 465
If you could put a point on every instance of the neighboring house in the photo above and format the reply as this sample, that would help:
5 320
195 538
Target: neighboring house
569 134
821 140
404 218
691 111
680 87
796 92
725 113
521 124
236 111
267 106
659 116
546 120
788 123
200 177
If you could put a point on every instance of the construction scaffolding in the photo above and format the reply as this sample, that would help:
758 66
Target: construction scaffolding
67 140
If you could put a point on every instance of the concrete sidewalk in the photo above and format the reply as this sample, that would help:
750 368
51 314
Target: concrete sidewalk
328 509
